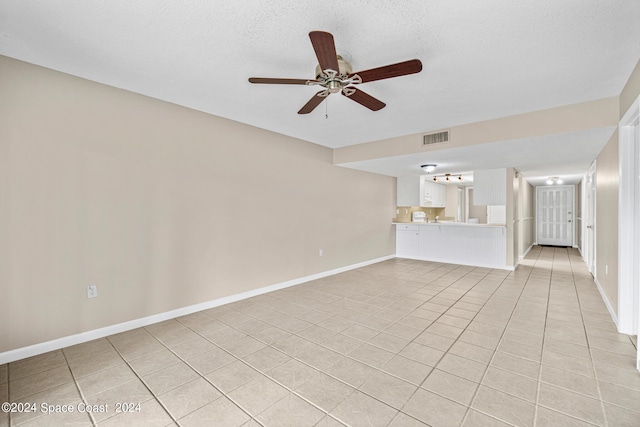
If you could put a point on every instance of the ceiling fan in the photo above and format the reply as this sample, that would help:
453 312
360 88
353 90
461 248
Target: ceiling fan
335 75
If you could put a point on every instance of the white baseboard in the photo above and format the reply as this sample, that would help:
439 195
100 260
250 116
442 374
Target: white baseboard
607 302
523 256
33 350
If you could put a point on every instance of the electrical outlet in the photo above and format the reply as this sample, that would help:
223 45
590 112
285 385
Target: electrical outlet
321 252
92 291
606 269
397 211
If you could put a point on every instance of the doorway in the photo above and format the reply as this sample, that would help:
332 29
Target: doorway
555 215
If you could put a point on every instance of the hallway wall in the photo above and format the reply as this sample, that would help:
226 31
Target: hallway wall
607 170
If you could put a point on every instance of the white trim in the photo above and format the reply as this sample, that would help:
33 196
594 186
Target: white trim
33 350
589 203
523 256
628 230
607 302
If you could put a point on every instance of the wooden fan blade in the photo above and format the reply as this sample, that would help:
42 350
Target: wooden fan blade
365 99
388 71
325 50
312 104
270 81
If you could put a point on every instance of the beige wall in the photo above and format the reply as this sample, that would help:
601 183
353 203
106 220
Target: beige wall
631 90
513 189
160 206
520 216
527 215
607 220
607 173
477 211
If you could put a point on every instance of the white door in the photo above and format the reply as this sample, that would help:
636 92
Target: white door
555 215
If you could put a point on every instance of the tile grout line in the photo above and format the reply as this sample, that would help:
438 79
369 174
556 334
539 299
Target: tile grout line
155 397
593 365
469 408
241 360
544 336
203 376
345 355
540 381
75 381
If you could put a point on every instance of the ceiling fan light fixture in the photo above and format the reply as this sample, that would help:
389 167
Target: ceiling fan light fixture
429 167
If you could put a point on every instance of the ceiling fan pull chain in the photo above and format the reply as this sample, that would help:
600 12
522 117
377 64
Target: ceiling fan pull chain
326 109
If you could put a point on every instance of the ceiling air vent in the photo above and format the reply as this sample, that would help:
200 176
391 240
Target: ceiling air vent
435 138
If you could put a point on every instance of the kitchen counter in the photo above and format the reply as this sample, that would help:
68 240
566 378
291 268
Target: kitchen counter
462 224
479 245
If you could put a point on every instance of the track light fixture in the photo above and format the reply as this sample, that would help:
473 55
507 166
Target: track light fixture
447 178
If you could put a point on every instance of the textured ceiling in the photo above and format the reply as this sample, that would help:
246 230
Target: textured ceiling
482 59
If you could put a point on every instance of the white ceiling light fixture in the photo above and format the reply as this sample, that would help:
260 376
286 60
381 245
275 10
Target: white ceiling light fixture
428 168
554 180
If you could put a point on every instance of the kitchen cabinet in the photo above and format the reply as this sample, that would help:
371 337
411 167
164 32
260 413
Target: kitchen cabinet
434 194
418 190
409 189
407 237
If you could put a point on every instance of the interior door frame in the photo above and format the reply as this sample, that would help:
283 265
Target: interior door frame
466 202
589 219
628 226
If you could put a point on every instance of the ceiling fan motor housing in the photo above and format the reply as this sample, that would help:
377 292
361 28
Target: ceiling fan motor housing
344 69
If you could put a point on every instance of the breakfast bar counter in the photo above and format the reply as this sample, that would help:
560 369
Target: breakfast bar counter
479 245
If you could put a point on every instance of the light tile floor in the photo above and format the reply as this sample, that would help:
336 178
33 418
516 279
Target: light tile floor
398 343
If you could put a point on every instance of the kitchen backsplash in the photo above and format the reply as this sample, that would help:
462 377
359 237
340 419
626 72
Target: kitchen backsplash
405 212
